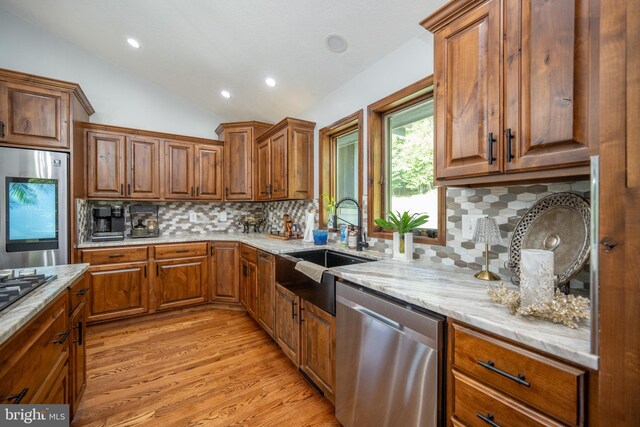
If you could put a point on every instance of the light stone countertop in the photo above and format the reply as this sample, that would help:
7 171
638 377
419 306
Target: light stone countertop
450 291
21 312
455 293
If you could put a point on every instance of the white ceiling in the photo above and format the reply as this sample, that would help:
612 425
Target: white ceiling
196 48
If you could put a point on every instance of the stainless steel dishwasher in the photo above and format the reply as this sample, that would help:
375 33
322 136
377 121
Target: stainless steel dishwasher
388 362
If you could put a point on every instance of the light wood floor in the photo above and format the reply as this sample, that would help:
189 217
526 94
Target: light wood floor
197 367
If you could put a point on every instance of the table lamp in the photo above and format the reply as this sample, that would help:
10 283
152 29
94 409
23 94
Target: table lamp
487 232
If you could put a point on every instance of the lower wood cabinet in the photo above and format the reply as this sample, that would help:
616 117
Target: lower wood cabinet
318 347
180 282
266 291
225 279
118 290
287 330
497 380
34 362
79 311
249 287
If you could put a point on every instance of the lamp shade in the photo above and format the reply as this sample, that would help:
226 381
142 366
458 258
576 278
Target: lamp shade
487 231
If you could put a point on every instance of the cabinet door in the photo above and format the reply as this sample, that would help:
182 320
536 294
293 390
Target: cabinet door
300 164
244 284
279 165
181 282
547 87
252 289
209 172
57 390
78 362
266 291
287 332
226 278
263 173
179 170
467 94
318 352
34 116
105 165
143 167
117 291
238 155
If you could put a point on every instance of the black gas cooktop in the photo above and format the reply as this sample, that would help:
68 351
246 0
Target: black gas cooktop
14 285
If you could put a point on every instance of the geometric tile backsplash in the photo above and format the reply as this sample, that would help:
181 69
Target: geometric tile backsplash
506 204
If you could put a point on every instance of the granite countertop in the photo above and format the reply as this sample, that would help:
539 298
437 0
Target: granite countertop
450 291
21 312
456 294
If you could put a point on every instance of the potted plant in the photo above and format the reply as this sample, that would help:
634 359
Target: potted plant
402 224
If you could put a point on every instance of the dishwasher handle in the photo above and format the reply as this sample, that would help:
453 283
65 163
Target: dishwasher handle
379 317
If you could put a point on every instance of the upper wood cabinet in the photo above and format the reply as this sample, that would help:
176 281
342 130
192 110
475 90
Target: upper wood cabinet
513 90
179 163
285 161
208 172
239 141
143 167
39 112
105 165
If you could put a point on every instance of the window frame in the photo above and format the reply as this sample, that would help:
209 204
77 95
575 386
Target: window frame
327 158
376 158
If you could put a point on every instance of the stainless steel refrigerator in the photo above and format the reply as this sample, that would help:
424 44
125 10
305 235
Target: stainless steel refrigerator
34 197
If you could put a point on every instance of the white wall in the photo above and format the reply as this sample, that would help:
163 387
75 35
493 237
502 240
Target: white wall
119 97
407 64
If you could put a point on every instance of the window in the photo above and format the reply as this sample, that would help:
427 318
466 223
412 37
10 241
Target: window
340 165
401 161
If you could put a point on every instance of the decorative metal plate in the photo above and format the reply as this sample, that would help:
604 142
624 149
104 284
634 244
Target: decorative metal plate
559 223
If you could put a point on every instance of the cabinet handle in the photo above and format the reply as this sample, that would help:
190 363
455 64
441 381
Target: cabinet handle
490 365
197 191
490 141
145 271
488 419
212 250
181 251
293 309
157 270
18 397
301 310
129 189
116 256
79 328
510 137
63 337
226 192
82 291
122 189
1 129
245 273
192 192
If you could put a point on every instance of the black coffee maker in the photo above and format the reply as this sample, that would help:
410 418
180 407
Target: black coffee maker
108 224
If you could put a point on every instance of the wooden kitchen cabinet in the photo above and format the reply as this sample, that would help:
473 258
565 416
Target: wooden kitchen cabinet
181 282
287 320
105 165
285 161
179 163
143 167
540 54
239 141
266 291
79 309
34 115
34 362
226 280
208 172
318 347
249 279
536 389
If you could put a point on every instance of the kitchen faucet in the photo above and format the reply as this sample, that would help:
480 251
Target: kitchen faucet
362 237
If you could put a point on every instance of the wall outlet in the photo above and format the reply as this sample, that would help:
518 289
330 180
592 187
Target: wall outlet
193 216
222 217
469 225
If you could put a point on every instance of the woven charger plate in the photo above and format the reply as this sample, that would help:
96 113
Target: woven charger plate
559 223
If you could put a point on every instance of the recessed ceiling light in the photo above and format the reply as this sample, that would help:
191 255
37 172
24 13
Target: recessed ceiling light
270 82
225 93
336 43
133 43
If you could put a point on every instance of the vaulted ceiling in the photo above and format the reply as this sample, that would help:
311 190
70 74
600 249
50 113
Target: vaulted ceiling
196 48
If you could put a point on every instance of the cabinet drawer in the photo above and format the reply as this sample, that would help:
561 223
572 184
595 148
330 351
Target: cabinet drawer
545 384
34 353
114 255
78 292
478 405
249 253
181 250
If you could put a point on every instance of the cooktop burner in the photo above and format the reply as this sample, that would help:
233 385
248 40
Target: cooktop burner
14 286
